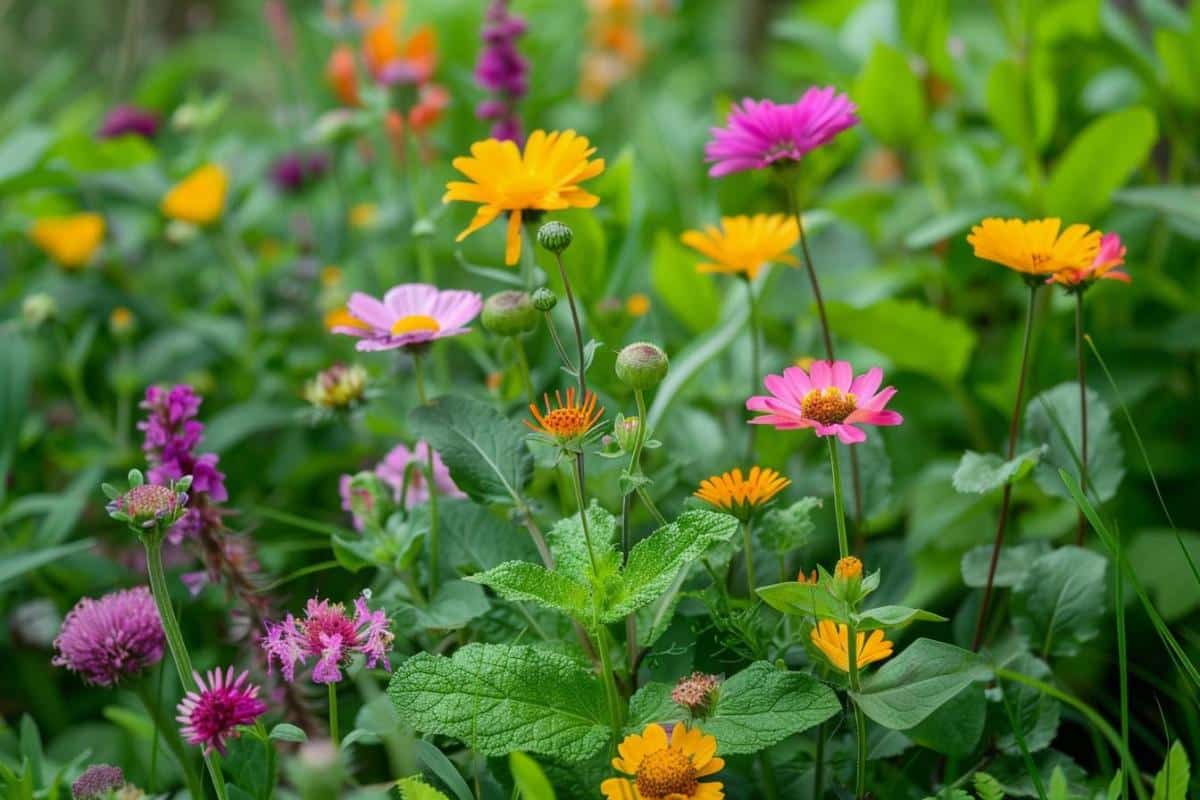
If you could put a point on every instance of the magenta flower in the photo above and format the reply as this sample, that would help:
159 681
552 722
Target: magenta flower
827 398
212 714
128 120
502 71
328 634
391 471
293 172
112 638
410 314
760 133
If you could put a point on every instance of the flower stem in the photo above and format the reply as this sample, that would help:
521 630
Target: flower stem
860 723
748 551
558 345
577 464
430 482
333 715
1081 371
170 735
819 764
581 375
523 368
752 324
839 511
610 683
1006 499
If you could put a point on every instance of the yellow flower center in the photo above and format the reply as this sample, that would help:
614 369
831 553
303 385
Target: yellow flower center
566 423
413 323
665 773
828 406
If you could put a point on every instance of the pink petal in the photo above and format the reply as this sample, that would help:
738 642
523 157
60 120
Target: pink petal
842 375
867 384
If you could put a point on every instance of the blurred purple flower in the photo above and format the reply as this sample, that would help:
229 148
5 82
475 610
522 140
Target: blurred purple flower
114 637
96 781
391 471
294 172
502 71
125 120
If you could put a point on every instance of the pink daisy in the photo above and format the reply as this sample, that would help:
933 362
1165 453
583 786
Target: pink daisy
1110 256
827 398
328 634
212 714
760 133
410 314
391 471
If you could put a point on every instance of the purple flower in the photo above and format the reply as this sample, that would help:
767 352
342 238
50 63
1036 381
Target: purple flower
97 780
212 714
502 71
760 133
127 120
328 634
393 467
114 637
296 171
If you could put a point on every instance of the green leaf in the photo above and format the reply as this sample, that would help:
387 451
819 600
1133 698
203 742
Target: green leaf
651 703
83 152
521 581
1037 713
802 599
1098 162
785 529
1059 602
414 787
1171 782
889 96
911 334
1055 413
475 539
1179 53
1179 204
762 705
287 732
956 727
570 549
530 781
1168 580
655 561
980 473
437 763
1058 785
14 566
500 698
22 151
894 617
455 605
1021 105
692 298
16 366
484 450
910 687
987 787
247 766
237 423
1011 565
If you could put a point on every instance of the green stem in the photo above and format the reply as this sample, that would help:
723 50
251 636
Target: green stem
1122 666
430 482
770 785
558 345
819 764
581 375
1081 373
610 684
523 368
839 511
752 324
748 552
333 715
860 722
577 475
169 732
650 506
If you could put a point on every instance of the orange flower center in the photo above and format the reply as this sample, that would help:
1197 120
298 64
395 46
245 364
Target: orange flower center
566 422
665 773
413 323
828 406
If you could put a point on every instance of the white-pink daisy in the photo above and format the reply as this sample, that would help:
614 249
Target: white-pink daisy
409 314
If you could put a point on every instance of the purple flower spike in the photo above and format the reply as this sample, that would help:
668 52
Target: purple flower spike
112 638
502 71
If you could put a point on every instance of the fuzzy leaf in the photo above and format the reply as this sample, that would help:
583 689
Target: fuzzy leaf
652 703
1171 782
569 545
1058 605
762 705
500 698
980 473
415 788
521 581
919 681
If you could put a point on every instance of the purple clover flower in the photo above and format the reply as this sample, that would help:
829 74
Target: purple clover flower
221 704
114 637
502 71
96 781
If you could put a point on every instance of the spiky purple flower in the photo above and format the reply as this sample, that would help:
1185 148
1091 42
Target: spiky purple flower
760 133
331 636
125 120
212 714
96 780
112 638
502 71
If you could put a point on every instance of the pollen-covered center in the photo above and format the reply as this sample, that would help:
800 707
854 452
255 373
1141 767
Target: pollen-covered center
148 500
666 772
329 623
829 406
566 422
415 323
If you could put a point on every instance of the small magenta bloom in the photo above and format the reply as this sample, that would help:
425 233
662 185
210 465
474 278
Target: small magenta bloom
827 398
410 314
97 781
112 638
1109 257
760 133
126 120
212 714
394 464
328 634
502 71
293 172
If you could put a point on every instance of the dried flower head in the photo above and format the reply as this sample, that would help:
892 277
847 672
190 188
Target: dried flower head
112 638
666 766
212 714
742 495
827 398
338 387
696 692
331 636
833 640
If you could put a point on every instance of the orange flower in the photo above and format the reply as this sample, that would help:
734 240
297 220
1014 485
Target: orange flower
71 240
392 60
664 766
199 198
848 568
744 245
566 422
431 102
342 75
1035 247
742 496
833 640
637 305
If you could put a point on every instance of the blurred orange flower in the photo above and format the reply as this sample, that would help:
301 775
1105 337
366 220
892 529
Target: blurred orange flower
342 75
391 59
199 198
70 240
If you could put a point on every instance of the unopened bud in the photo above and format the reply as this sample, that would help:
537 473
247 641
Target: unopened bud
509 313
555 236
544 300
642 365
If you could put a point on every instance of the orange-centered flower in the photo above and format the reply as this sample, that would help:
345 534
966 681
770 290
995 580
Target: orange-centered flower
662 767
742 496
199 198
545 177
1035 247
833 640
848 568
566 422
744 245
71 240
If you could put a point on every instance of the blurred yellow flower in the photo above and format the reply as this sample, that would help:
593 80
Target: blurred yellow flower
745 244
340 317
637 305
362 215
199 198
1035 247
331 275
121 321
70 240
833 640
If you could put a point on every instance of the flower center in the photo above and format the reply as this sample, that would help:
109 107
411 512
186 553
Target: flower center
828 406
666 772
148 500
330 622
566 422
415 323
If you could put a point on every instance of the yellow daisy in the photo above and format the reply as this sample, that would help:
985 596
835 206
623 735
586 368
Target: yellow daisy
745 244
545 177
666 767
199 198
71 240
833 640
742 496
1035 247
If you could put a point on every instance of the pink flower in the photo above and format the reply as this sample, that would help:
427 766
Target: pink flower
212 714
760 133
391 471
827 398
112 638
328 634
409 314
1110 256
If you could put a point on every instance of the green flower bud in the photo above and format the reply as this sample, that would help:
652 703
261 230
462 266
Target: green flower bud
509 313
544 300
641 365
625 431
554 236
38 308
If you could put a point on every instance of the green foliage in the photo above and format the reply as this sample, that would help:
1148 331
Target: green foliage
1022 104
980 473
1037 713
1058 604
414 788
785 529
763 705
690 297
1172 781
890 100
1098 162
957 726
914 684
1053 417
527 774
912 335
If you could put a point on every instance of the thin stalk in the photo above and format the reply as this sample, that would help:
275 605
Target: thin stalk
635 468
1006 499
839 511
558 345
1081 372
562 271
577 474
748 552
523 368
154 714
860 723
169 732
610 683
819 764
430 482
1122 665
752 324
333 716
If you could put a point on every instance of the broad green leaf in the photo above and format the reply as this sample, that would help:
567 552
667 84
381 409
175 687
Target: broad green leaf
1058 789
521 581
1037 713
455 605
691 297
1179 53
1098 162
802 599
475 539
762 705
1172 781
1055 412
83 152
956 727
914 684
894 617
1059 603
1021 105
1011 565
1168 580
14 566
570 547
415 788
527 774
247 766
287 732
1179 204
890 99
500 698
785 529
912 335
484 450
980 473
651 703
655 561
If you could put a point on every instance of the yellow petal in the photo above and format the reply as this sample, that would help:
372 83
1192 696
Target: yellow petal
512 246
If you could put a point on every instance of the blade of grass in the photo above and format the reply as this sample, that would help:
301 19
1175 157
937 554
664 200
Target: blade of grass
1018 733
1122 666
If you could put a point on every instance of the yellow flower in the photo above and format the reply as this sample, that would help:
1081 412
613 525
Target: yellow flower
363 215
745 244
341 317
663 767
71 240
121 321
331 275
545 177
566 422
848 568
833 640
637 305
1035 247
739 495
199 198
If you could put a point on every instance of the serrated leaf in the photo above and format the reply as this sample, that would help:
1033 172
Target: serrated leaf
1055 412
1011 565
569 545
651 703
521 581
980 473
501 698
530 781
762 705
453 607
1171 782
785 529
1058 605
415 788
913 685
894 617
